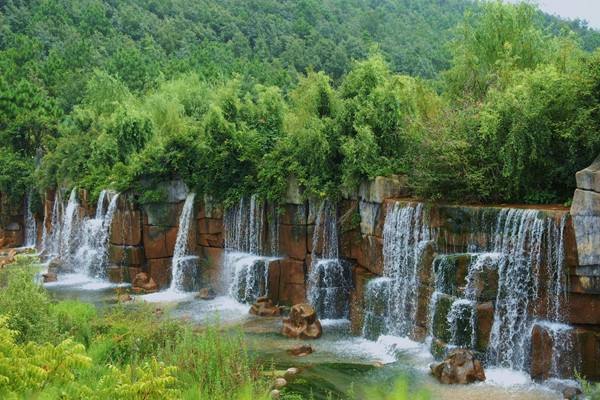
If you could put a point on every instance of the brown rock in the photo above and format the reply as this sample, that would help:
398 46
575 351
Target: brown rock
301 350
292 241
126 255
124 298
126 228
368 253
142 283
160 271
264 308
206 294
50 277
280 383
302 323
460 367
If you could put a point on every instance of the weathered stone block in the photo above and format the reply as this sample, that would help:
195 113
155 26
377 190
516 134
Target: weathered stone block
293 241
586 222
210 226
369 217
294 214
584 309
160 271
274 279
381 188
175 191
163 214
360 278
542 351
585 284
440 328
589 178
116 274
588 348
211 267
485 321
125 255
208 208
293 194
159 242
126 228
292 288
368 253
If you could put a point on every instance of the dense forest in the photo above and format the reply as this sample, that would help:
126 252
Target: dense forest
473 101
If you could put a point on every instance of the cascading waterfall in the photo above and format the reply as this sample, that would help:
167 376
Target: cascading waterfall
329 280
66 231
404 239
528 241
246 259
92 251
183 263
51 235
30 223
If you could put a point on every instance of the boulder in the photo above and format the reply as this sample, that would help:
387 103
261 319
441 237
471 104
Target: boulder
275 394
301 350
280 383
142 283
302 323
290 373
206 294
264 308
460 367
49 277
124 298
570 389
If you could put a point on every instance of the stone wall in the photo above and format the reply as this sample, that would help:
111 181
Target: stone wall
12 225
143 239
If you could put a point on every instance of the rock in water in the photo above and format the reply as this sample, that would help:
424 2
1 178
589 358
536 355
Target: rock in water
460 367
206 294
264 308
142 283
49 277
302 323
301 351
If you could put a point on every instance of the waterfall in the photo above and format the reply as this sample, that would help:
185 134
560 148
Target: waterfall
329 280
51 236
404 238
247 253
30 223
527 240
182 261
92 253
66 230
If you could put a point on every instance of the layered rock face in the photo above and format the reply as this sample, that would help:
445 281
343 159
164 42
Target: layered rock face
456 274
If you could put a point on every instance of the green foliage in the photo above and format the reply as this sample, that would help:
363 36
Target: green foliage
235 98
27 306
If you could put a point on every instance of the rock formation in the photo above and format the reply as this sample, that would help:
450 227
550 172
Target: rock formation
302 323
460 367
142 283
264 308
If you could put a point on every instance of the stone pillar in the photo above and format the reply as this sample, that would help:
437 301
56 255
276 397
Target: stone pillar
586 216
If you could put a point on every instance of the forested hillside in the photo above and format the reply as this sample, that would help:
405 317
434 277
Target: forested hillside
111 93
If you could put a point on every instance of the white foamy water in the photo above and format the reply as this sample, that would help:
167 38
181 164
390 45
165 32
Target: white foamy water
82 282
167 296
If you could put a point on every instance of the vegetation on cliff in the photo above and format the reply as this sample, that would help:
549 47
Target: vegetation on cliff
473 101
